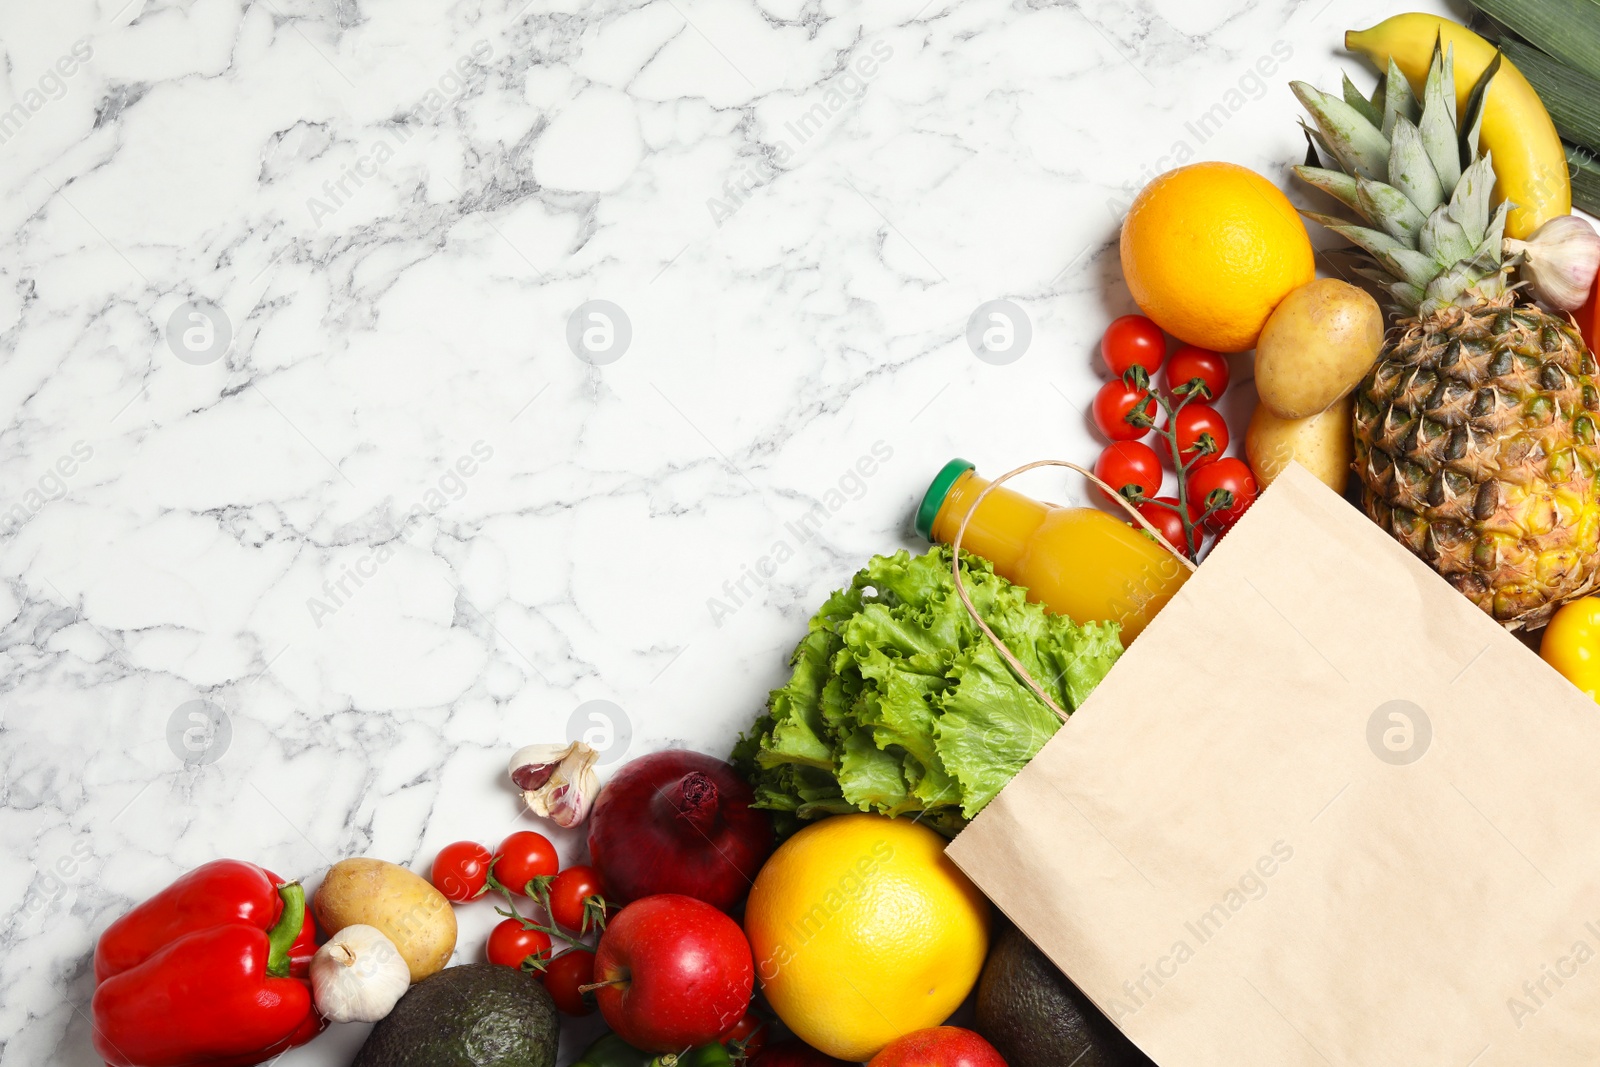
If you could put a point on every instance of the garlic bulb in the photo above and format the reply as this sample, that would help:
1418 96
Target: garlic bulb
358 976
1559 261
558 782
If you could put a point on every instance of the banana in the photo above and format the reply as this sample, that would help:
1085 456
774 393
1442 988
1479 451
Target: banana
1517 131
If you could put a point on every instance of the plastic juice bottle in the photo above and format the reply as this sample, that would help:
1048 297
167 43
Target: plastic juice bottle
1078 562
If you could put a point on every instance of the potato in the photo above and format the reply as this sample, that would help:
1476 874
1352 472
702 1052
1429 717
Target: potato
410 912
1322 444
1316 346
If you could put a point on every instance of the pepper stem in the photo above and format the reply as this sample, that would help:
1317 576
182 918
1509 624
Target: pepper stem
284 933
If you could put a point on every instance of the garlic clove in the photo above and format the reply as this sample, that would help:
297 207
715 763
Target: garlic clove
1559 261
358 976
558 782
568 805
532 765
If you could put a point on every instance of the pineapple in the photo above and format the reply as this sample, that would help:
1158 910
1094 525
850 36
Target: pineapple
1475 431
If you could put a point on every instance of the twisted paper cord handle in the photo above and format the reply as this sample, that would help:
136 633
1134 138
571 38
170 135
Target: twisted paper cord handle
955 564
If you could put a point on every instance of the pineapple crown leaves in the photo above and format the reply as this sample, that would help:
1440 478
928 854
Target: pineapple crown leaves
1412 175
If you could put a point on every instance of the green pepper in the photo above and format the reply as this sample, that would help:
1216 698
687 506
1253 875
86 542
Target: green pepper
611 1051
712 1055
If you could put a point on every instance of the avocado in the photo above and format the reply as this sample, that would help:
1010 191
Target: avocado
1036 1017
476 1015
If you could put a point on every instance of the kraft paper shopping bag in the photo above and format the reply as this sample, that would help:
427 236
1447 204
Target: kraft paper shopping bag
1324 811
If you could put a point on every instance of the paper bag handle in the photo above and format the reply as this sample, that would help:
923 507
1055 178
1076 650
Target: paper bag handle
966 601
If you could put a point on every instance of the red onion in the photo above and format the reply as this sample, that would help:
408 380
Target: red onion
678 822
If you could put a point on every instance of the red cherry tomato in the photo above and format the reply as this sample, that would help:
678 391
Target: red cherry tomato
1231 474
461 870
1126 463
564 975
1133 340
1167 520
522 857
571 894
510 944
1194 419
1189 363
1114 402
750 1032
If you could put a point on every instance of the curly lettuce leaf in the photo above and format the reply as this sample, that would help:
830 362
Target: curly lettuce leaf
1078 660
871 777
898 704
990 726
796 729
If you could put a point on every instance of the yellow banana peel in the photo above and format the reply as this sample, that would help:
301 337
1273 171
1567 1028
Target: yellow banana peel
1517 131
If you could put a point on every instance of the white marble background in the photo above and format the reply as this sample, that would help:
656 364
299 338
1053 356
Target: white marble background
396 206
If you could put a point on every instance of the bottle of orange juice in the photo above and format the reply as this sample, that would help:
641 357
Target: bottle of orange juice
1078 562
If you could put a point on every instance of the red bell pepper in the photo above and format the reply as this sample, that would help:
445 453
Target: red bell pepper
210 972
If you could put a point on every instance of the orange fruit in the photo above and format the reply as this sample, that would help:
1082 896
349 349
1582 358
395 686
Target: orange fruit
1209 249
863 931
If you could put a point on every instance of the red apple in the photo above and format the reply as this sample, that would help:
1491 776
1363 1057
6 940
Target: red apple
675 973
939 1046
796 1054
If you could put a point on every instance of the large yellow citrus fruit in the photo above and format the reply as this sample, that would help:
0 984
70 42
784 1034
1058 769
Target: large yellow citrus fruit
864 931
1209 249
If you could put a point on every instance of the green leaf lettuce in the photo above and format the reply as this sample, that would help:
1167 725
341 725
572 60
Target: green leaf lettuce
898 704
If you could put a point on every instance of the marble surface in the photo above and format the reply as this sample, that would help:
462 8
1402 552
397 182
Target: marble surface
310 511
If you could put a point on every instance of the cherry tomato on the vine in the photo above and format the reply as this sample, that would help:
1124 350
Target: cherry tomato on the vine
570 894
1133 340
1125 463
511 943
1194 419
750 1032
1112 405
1165 519
562 977
461 870
1228 473
522 857
1189 363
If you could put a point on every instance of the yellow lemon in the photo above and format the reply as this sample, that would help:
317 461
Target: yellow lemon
864 931
1209 249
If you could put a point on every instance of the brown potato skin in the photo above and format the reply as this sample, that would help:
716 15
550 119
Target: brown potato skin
406 907
1316 347
1323 444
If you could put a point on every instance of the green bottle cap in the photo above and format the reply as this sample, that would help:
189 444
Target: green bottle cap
938 489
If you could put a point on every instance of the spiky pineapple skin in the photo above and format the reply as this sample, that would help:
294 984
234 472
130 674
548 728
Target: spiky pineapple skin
1476 446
